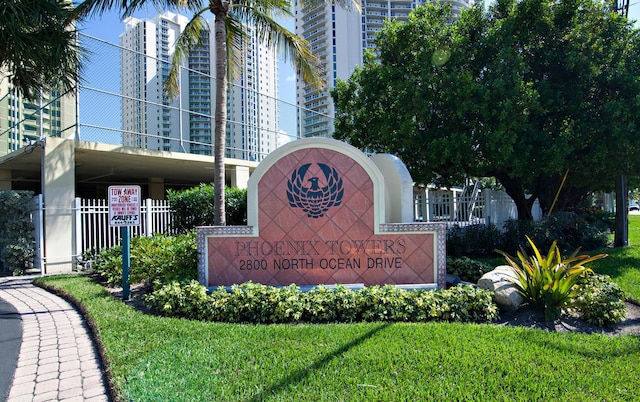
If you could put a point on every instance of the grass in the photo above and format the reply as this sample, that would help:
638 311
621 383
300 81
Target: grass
623 263
153 358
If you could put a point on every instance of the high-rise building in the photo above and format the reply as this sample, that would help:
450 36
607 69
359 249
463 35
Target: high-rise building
340 37
152 120
23 121
252 105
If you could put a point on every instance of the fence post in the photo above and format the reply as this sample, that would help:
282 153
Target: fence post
488 206
148 224
77 227
430 202
40 233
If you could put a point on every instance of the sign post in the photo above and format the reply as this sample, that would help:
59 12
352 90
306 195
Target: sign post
124 211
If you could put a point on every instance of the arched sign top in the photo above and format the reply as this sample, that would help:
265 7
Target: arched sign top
314 151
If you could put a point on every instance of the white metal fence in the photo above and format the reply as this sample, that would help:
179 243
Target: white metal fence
457 207
92 230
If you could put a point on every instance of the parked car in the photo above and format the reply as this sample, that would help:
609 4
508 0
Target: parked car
633 206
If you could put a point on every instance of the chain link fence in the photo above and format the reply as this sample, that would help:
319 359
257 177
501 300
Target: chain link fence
121 102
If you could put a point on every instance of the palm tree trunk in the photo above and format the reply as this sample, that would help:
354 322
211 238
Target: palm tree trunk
220 120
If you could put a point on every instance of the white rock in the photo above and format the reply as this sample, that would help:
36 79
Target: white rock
500 281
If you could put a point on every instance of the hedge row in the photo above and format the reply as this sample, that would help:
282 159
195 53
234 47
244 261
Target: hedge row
257 303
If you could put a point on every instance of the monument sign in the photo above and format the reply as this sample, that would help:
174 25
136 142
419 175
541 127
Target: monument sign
316 215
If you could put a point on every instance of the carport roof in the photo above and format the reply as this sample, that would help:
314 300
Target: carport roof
97 163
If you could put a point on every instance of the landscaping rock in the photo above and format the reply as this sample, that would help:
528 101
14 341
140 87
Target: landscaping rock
500 282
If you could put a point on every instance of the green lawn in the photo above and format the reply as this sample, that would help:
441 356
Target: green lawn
623 263
153 358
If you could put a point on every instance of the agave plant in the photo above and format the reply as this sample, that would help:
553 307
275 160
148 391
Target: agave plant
547 282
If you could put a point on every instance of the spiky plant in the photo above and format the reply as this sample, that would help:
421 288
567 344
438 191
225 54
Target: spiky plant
547 282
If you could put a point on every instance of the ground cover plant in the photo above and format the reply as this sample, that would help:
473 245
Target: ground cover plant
158 257
154 358
257 303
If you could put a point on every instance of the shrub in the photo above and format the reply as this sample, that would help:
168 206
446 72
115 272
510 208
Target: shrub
515 233
195 207
17 244
548 282
599 301
467 304
602 221
326 304
256 303
192 207
159 257
385 303
188 300
467 269
569 230
473 240
235 200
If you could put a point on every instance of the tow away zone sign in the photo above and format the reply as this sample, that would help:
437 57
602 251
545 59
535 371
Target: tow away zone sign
124 205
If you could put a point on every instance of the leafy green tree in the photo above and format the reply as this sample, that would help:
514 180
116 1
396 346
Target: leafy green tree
232 20
38 46
526 92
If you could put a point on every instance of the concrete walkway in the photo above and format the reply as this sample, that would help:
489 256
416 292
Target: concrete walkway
57 360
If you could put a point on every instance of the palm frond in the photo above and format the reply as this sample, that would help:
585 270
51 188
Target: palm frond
237 43
38 46
189 39
98 7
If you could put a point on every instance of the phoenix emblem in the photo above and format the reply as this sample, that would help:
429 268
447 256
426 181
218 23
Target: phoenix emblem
315 200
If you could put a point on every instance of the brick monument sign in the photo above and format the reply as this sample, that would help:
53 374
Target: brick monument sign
318 213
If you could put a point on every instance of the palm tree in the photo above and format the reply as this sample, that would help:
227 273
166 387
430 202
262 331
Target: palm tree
232 19
38 47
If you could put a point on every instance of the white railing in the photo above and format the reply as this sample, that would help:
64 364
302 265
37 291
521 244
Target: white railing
93 232
457 207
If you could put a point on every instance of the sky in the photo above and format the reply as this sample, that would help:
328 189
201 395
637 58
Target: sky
109 26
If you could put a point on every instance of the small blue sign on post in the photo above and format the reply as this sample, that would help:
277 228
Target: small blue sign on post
124 211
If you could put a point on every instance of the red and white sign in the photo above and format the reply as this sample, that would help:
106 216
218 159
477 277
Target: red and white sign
124 205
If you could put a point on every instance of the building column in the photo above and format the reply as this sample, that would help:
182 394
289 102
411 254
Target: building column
398 189
5 179
59 192
240 176
156 188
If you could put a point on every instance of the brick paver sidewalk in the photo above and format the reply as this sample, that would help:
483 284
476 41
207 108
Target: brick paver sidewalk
58 360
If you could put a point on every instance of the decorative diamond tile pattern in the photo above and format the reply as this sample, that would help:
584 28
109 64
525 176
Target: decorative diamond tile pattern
338 246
